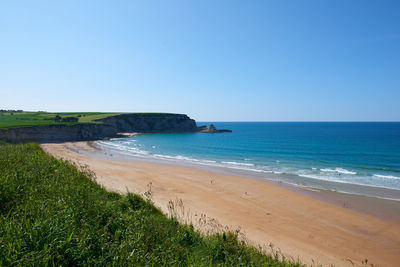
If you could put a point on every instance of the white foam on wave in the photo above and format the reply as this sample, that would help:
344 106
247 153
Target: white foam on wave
330 179
387 176
135 150
319 188
178 157
344 171
208 161
339 170
124 149
237 163
324 174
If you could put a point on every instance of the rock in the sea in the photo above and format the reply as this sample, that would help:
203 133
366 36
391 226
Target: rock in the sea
211 129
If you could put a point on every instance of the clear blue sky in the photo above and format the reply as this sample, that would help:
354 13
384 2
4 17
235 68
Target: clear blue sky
213 60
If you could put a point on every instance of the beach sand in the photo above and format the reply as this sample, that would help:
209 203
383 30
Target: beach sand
301 226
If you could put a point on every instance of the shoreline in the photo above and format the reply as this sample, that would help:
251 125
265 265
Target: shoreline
294 180
299 224
382 207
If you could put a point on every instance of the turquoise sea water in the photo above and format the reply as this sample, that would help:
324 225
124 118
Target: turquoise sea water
362 158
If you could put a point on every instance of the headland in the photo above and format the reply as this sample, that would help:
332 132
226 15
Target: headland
61 127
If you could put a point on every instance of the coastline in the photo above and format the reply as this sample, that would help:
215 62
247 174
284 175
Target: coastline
298 224
366 201
334 168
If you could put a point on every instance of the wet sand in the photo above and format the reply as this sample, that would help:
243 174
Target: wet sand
301 225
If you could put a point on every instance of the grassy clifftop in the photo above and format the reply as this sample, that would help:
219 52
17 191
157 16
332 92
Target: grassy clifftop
53 214
21 119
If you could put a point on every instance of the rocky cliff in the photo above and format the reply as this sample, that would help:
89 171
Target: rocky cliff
105 128
152 123
58 133
108 127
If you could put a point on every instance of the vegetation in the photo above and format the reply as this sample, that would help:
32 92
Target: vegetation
51 213
21 119
40 118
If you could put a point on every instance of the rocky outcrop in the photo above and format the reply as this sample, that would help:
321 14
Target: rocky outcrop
59 133
211 129
152 123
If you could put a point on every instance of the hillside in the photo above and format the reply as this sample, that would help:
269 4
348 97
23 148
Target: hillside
53 214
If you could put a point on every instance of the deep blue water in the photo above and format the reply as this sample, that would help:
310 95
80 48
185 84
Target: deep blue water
316 154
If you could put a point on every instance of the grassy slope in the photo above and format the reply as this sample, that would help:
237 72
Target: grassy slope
43 118
51 213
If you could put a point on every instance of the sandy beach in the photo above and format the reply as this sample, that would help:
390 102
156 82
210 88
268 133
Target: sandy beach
300 226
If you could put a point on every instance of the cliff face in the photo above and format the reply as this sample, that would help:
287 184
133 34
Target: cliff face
58 133
109 127
152 123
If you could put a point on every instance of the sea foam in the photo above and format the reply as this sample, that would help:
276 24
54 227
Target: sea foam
339 170
387 176
237 163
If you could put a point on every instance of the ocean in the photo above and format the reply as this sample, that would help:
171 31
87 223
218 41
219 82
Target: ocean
350 157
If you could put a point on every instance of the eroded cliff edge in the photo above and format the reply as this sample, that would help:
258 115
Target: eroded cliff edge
152 123
105 128
59 133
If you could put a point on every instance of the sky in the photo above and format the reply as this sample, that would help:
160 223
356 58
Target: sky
268 60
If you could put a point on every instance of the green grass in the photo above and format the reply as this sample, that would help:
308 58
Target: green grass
93 117
43 118
53 214
23 119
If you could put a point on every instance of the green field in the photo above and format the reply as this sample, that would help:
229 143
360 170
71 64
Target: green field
52 214
8 120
